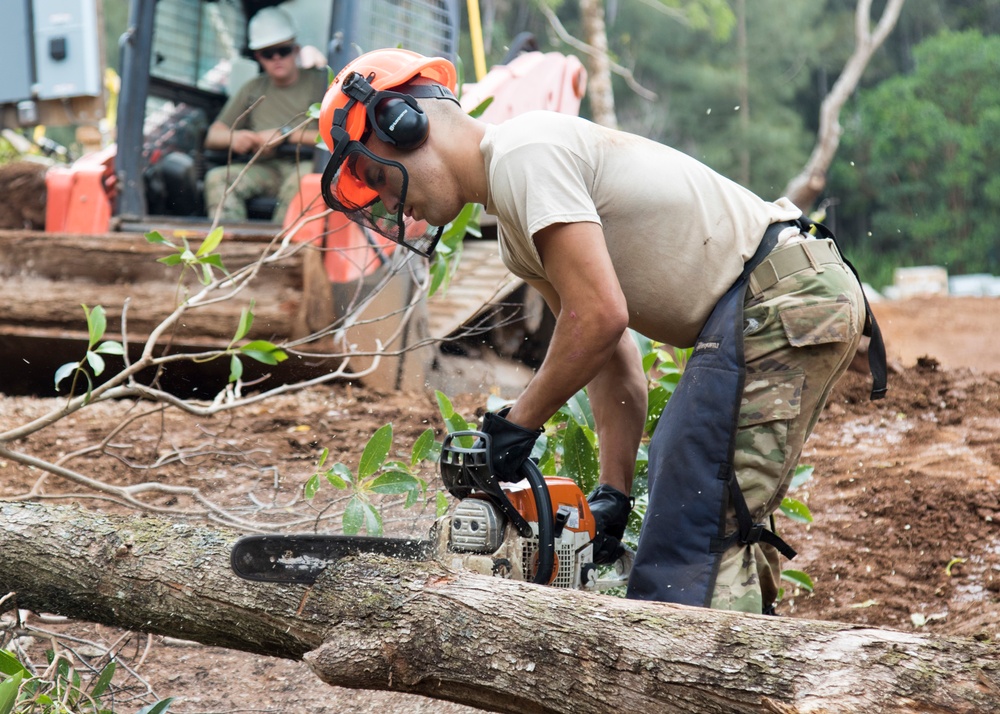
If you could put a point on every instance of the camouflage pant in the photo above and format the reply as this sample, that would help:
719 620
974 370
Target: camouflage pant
270 177
799 337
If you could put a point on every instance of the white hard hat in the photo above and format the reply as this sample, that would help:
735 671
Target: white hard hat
271 26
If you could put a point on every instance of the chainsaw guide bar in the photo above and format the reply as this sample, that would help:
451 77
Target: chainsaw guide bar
302 559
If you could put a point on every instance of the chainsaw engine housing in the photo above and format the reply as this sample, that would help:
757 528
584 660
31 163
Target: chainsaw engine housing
479 537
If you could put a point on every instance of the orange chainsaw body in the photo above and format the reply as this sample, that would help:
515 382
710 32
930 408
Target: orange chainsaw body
563 492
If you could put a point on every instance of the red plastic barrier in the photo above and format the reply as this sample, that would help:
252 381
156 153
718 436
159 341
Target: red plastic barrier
78 199
348 253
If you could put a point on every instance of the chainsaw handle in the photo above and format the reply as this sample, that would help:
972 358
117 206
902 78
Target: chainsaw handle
546 521
467 469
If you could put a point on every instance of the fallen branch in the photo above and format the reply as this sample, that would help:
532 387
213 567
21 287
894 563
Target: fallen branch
379 623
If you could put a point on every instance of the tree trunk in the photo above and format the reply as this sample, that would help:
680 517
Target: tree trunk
744 73
804 189
599 89
377 623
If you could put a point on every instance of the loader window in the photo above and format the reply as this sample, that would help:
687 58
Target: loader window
195 42
425 26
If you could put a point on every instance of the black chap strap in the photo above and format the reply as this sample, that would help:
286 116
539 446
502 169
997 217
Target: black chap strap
748 532
876 345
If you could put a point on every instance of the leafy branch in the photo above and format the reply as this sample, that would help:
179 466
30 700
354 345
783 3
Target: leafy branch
201 261
260 350
377 474
97 323
59 689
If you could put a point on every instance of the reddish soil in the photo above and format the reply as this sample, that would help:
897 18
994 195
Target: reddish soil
905 498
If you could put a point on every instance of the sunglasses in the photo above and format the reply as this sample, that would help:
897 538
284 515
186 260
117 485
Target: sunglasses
271 52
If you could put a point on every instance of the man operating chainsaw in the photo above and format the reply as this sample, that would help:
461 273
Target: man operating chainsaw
619 232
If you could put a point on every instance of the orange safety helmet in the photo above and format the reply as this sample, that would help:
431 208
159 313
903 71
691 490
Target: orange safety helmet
384 70
360 102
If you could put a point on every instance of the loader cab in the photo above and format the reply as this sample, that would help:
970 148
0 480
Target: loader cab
182 59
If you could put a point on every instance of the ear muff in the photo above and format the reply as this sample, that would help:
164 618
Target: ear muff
402 122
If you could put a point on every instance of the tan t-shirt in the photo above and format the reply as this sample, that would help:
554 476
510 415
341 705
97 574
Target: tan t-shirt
677 232
281 106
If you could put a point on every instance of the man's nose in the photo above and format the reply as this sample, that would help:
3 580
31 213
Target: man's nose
390 200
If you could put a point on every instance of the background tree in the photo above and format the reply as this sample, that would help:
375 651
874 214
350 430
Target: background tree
726 91
916 180
804 189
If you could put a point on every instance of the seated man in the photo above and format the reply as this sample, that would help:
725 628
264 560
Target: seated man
285 91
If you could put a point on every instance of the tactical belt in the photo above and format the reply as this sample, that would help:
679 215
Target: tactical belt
791 259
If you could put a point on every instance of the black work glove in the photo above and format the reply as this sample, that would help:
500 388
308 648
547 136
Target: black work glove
511 444
611 508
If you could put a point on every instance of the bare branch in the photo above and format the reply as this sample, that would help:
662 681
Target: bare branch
573 42
127 494
805 188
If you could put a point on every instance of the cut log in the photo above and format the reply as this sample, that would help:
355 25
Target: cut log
377 623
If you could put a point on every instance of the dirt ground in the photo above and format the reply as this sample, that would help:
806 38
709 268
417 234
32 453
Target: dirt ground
905 498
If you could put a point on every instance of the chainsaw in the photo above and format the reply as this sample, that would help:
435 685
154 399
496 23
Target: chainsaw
537 530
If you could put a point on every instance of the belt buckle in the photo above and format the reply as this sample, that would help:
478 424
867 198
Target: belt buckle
754 534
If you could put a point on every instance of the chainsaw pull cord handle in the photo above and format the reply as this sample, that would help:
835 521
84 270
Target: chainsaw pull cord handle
546 521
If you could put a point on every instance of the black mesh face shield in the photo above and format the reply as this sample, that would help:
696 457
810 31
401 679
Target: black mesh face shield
371 191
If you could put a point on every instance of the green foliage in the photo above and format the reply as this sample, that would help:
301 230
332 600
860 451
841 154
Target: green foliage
798 578
260 350
712 16
203 261
60 689
916 168
569 447
737 108
579 456
794 509
481 108
8 693
92 361
454 420
445 260
376 474
160 707
7 152
799 512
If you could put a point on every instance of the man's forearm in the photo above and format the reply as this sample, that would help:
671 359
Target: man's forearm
618 397
567 367
305 135
218 136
